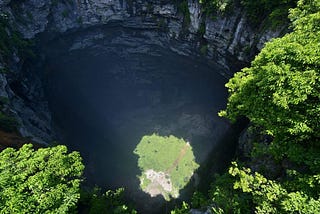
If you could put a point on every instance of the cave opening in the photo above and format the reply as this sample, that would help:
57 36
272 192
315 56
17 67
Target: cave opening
109 86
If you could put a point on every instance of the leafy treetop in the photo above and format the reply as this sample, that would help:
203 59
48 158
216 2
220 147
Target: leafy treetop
43 181
279 93
281 89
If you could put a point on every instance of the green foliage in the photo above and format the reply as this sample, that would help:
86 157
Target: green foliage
184 209
224 198
280 91
109 202
213 6
278 16
242 191
270 196
154 151
43 181
276 10
170 155
198 200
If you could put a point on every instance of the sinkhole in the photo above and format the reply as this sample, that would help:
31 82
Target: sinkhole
108 87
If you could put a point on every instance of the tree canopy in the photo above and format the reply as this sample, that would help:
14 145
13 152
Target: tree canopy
281 90
46 180
280 94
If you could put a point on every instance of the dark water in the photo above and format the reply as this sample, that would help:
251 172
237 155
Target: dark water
105 97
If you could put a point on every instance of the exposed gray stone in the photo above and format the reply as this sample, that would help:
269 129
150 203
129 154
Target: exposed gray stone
3 85
167 10
195 15
32 17
3 3
95 12
227 36
267 36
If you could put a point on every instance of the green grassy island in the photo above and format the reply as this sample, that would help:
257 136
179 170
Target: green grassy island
167 164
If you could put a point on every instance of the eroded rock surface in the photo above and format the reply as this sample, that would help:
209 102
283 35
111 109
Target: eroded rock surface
229 40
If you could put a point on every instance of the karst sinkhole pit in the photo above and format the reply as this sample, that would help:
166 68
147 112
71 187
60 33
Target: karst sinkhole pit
108 87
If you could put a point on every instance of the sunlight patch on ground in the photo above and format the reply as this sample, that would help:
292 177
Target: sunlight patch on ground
167 165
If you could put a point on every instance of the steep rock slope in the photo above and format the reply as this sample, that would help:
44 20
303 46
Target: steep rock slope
228 38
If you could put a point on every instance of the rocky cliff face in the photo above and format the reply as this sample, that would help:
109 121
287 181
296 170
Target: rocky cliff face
228 38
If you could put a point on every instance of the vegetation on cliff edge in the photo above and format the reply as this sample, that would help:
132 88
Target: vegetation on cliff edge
279 93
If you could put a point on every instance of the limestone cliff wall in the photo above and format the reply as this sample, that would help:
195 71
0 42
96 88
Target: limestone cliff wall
226 35
227 38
